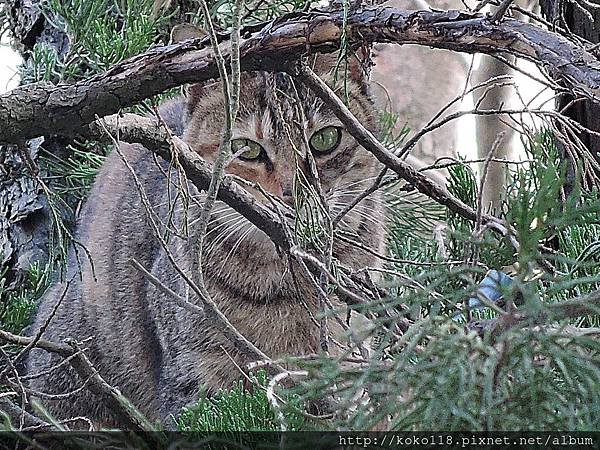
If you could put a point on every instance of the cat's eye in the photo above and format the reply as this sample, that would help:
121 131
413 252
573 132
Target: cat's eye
325 140
246 149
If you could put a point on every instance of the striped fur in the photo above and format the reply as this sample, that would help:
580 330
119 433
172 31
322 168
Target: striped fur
141 341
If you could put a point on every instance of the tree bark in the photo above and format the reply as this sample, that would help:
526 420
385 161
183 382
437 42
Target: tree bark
41 109
45 109
587 26
24 215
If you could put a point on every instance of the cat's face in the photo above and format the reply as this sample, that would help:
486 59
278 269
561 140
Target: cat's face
280 125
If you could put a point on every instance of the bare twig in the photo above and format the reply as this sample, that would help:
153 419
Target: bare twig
273 398
127 413
149 133
364 137
497 16
12 410
212 311
584 305
194 309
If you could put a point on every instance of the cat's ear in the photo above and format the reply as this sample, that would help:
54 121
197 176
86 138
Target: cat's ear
185 31
180 33
357 64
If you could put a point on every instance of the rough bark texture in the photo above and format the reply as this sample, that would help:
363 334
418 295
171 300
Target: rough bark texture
21 208
45 109
587 113
24 217
587 26
29 27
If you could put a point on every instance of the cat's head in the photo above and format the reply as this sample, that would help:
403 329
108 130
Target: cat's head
280 127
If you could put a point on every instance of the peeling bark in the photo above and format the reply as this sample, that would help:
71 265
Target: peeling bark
587 113
24 216
41 109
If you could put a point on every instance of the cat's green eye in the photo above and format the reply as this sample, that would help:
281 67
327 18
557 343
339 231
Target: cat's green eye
249 149
325 140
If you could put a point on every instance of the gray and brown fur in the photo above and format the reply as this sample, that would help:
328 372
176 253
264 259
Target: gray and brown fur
155 352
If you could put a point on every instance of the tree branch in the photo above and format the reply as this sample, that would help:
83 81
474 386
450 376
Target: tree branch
127 413
585 305
42 108
153 136
364 137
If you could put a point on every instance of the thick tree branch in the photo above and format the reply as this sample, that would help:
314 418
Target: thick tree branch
42 108
153 136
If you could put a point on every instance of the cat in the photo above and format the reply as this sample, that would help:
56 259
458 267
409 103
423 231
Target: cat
158 354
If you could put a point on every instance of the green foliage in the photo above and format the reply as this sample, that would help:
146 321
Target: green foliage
18 304
66 182
438 375
441 375
73 176
102 33
43 64
419 214
461 382
254 12
390 135
238 410
105 32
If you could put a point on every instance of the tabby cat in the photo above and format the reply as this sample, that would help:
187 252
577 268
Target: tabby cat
158 354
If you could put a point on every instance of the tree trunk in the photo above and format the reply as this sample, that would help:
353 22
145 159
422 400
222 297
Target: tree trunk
585 25
24 217
417 82
489 127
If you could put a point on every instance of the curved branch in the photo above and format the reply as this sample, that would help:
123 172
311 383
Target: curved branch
43 108
149 132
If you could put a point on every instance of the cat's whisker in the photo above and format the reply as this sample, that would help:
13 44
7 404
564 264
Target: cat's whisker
345 225
337 194
369 206
233 218
221 219
185 212
255 233
363 216
223 237
216 219
340 204
353 187
373 198
244 234
369 217
362 180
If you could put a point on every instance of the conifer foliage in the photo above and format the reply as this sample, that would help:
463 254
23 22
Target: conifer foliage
445 353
